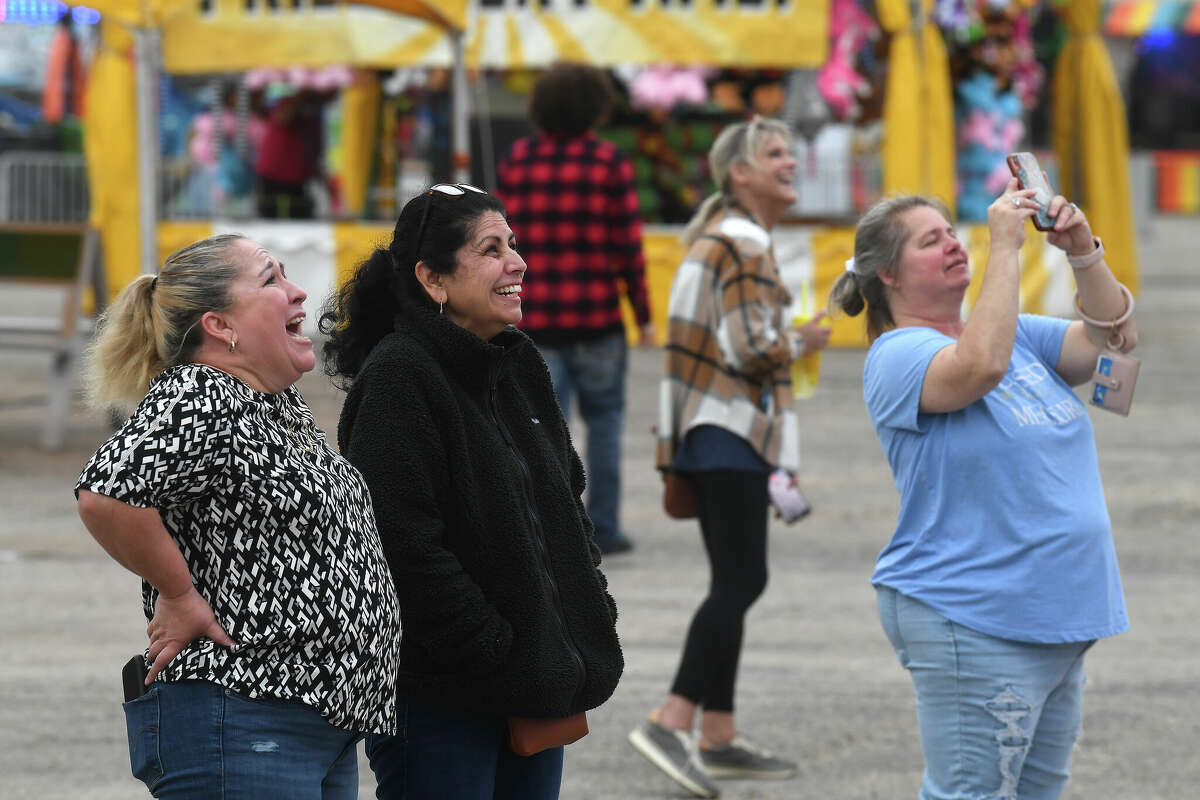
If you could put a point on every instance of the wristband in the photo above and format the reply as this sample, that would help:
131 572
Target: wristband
1088 260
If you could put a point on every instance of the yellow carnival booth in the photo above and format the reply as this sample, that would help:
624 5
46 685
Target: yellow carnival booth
606 32
917 151
134 36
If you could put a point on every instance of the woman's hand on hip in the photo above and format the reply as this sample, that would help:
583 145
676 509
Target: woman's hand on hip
179 621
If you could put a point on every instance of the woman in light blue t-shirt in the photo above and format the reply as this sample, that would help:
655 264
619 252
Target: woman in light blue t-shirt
1001 572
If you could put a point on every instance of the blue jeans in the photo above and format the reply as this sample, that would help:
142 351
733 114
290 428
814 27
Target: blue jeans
595 370
440 754
998 718
195 739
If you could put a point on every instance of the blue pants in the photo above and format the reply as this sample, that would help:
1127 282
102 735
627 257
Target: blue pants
440 754
595 370
195 739
998 718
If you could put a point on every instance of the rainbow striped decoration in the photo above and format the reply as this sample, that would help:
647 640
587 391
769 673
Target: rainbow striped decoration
1137 17
1177 179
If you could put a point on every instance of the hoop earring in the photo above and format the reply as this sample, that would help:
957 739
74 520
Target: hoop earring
232 344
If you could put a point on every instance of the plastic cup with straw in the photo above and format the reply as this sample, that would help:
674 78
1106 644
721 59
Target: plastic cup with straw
806 370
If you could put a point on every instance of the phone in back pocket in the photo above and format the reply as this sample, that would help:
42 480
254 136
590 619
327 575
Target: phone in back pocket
133 677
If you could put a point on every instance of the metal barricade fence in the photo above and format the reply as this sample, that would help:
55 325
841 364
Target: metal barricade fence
43 187
43 221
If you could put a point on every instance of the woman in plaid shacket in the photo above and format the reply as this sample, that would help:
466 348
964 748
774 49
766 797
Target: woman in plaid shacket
725 423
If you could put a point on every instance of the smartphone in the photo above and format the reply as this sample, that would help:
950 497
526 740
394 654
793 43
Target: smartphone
787 498
133 677
1025 167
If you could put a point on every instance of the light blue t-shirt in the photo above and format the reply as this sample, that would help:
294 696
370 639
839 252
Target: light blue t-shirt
1003 526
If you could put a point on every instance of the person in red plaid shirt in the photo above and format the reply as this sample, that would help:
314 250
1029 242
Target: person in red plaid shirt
571 201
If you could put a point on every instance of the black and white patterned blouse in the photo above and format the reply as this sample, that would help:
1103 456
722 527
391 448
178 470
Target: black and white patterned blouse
280 537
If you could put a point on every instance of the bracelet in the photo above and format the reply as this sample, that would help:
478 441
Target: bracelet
1090 259
1116 323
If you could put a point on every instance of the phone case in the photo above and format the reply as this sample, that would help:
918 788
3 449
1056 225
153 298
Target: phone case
1025 167
787 498
133 678
1115 376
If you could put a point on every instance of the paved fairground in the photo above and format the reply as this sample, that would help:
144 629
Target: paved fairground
818 680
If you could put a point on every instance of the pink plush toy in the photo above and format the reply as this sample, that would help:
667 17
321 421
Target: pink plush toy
840 86
850 28
662 87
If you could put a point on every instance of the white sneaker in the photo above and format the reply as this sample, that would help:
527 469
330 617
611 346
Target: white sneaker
674 752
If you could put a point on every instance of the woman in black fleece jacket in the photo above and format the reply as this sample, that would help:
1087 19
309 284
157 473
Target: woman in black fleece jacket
451 419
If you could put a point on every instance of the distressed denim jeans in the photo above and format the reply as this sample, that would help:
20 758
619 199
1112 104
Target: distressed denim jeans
197 740
998 718
595 371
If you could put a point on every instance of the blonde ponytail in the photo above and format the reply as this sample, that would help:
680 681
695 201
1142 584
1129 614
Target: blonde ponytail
124 355
154 322
707 210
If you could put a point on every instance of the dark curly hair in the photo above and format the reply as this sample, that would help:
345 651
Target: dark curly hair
570 99
363 311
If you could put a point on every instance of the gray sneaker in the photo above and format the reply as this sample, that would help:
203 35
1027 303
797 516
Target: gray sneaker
742 759
674 753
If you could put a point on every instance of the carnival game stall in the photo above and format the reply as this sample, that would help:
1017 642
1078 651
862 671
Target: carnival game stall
512 39
961 80
136 45
947 89
925 89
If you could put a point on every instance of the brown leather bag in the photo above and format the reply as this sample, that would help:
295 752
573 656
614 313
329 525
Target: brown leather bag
528 735
679 498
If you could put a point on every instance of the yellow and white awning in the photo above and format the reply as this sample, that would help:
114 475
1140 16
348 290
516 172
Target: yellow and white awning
609 32
507 36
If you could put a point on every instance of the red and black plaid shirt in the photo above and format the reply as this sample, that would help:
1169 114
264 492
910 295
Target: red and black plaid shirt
572 204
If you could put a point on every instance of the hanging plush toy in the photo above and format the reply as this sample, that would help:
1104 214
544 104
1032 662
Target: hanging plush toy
987 110
850 28
661 88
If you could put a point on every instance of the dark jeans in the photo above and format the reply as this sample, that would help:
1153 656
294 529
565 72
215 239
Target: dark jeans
440 754
595 371
732 507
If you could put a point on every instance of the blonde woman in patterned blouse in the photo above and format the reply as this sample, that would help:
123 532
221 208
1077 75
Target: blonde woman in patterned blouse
272 616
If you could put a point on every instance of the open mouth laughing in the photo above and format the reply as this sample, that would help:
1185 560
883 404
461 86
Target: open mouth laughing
294 326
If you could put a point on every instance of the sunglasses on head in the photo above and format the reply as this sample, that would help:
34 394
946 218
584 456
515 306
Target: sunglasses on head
449 189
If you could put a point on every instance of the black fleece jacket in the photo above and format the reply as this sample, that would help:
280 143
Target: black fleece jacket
476 489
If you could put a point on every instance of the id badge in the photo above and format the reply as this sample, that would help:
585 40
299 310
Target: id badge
1115 376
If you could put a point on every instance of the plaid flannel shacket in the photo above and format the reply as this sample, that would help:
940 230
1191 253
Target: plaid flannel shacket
574 209
728 357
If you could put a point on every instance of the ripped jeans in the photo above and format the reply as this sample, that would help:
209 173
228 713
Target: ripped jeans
998 718
195 740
